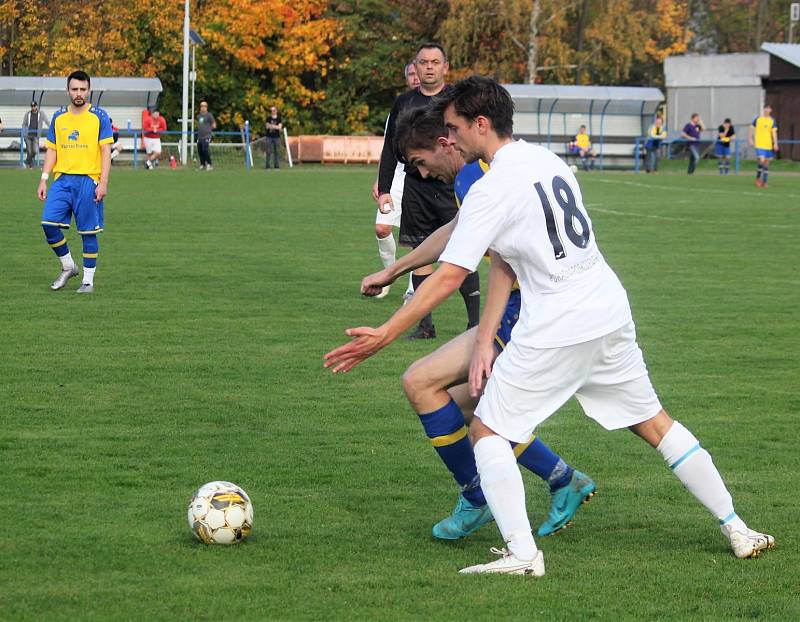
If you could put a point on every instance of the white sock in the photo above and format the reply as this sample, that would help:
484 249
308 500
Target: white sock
502 486
693 466
88 275
387 250
410 288
67 262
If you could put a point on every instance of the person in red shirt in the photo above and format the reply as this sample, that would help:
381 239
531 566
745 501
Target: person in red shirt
153 124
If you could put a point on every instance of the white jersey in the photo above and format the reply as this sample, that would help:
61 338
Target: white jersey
528 208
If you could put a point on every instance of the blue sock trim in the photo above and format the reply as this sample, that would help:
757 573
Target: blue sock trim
685 456
728 518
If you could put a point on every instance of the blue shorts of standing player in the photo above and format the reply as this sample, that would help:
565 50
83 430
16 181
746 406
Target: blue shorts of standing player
73 195
767 154
722 150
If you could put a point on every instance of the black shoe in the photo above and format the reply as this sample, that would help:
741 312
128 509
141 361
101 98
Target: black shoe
422 333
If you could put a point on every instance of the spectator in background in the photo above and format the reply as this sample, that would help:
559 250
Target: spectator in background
153 126
412 79
206 124
32 122
763 135
274 128
725 134
1 125
116 146
691 134
581 146
655 135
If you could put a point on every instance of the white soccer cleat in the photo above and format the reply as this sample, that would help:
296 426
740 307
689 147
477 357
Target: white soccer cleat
509 564
65 276
384 292
85 289
749 543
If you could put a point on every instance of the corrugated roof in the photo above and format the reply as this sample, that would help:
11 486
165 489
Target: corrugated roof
790 52
597 93
99 84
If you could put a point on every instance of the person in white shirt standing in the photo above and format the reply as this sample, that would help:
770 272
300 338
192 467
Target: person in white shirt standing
575 335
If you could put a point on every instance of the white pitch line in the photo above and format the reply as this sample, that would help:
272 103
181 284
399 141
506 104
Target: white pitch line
672 188
613 212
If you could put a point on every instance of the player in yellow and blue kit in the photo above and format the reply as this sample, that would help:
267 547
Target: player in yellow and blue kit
763 135
436 385
79 154
581 145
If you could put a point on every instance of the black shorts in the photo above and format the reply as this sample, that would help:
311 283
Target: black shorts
427 205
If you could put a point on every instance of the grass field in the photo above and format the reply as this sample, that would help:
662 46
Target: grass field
199 357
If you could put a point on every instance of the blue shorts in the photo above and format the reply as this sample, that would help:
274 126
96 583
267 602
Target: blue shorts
723 149
765 153
73 194
575 149
510 317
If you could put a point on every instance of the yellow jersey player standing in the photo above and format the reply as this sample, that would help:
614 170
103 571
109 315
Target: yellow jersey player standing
79 154
763 136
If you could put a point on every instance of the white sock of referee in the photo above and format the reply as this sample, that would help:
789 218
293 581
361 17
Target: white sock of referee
387 250
693 466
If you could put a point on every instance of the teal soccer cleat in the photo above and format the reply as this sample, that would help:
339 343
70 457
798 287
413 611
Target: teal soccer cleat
566 502
465 519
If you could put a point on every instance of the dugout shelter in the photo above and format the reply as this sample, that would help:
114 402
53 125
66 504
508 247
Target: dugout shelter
123 99
782 92
614 116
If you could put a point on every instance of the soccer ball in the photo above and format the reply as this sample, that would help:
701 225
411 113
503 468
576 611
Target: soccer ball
573 168
220 513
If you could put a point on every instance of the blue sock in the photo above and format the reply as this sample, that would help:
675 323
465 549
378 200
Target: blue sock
540 459
55 238
90 248
445 427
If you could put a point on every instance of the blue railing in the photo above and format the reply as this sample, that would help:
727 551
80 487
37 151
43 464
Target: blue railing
666 148
138 144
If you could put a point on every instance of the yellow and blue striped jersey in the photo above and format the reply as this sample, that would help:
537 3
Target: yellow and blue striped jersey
582 140
763 132
76 139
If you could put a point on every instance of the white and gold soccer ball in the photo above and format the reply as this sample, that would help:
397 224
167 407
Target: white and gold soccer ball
220 513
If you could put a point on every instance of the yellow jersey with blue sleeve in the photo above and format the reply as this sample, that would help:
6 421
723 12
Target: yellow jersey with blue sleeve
76 139
763 133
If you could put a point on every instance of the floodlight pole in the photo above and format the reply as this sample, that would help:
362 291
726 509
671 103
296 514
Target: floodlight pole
185 107
193 76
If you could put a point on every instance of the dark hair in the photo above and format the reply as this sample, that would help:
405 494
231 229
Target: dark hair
728 121
478 96
34 104
418 128
79 75
431 45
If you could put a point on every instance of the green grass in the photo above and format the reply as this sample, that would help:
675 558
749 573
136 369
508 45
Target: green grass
199 357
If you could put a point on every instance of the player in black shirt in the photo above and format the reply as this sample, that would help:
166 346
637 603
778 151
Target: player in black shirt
727 134
427 204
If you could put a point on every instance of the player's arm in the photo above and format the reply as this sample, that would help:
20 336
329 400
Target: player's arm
105 168
426 253
775 138
501 281
388 161
47 168
367 341
751 134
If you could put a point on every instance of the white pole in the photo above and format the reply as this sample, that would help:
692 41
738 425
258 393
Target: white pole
288 152
185 107
193 76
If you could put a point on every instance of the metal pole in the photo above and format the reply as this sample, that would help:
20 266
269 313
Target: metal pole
193 76
185 98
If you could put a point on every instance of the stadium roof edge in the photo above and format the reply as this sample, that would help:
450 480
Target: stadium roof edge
790 52
99 84
597 93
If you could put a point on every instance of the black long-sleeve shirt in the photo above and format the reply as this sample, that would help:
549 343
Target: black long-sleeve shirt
389 159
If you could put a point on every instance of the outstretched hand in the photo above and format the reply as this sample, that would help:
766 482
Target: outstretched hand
373 284
365 342
480 368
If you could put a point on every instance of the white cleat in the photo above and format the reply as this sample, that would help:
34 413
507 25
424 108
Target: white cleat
509 564
384 292
85 289
749 543
65 276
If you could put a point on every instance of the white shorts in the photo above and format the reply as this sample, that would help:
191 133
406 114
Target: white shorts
152 145
607 376
393 217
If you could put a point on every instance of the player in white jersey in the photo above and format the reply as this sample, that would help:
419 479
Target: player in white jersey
575 335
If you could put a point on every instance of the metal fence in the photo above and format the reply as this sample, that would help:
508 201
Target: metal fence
669 148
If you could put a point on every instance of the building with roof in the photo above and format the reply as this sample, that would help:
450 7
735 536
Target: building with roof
123 99
782 92
614 116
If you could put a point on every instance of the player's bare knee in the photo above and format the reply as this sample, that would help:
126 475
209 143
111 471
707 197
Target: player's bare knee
383 231
654 429
416 382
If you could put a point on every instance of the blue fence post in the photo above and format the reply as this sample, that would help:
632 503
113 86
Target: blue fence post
736 156
135 150
636 154
247 162
21 145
